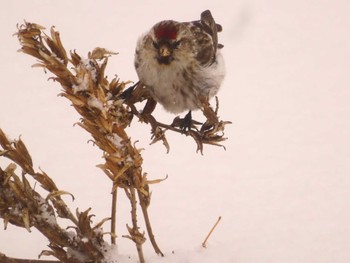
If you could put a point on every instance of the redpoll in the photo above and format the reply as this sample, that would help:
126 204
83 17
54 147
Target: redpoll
180 62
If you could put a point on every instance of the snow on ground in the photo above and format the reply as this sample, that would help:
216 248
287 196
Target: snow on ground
282 186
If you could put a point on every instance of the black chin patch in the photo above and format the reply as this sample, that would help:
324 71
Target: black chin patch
165 60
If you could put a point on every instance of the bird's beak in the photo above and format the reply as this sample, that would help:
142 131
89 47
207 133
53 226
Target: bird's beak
165 54
164 51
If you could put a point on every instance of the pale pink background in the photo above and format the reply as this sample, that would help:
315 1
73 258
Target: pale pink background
282 186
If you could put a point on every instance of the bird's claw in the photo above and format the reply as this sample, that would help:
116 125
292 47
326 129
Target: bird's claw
186 123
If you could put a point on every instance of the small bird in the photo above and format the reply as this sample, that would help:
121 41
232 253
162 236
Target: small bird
180 62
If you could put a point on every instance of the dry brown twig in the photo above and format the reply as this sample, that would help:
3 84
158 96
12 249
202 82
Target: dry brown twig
210 132
204 243
106 110
23 206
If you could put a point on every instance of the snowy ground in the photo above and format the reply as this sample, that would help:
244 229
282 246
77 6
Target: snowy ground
282 186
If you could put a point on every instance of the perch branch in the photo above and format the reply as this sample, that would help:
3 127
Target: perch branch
210 132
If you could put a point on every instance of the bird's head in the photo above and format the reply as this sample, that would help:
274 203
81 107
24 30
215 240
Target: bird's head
166 40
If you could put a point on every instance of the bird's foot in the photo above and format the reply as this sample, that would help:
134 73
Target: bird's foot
127 94
186 123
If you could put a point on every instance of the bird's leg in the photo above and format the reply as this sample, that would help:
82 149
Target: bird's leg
146 114
149 107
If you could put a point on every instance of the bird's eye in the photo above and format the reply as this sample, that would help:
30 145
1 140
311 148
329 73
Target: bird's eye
155 44
176 44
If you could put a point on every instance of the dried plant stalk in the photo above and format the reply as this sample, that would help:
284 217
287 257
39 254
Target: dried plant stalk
114 217
100 105
5 259
204 243
106 110
22 206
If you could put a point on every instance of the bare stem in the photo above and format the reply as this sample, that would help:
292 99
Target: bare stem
5 259
114 216
136 236
143 205
204 244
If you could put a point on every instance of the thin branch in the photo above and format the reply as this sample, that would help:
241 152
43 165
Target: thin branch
210 132
204 244
144 204
134 233
114 217
5 259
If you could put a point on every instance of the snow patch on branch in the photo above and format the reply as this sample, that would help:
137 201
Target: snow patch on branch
95 103
116 140
83 84
46 212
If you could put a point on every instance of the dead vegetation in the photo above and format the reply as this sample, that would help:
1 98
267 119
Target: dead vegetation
106 108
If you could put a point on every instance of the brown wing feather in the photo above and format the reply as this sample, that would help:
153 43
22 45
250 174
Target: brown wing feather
209 26
204 27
